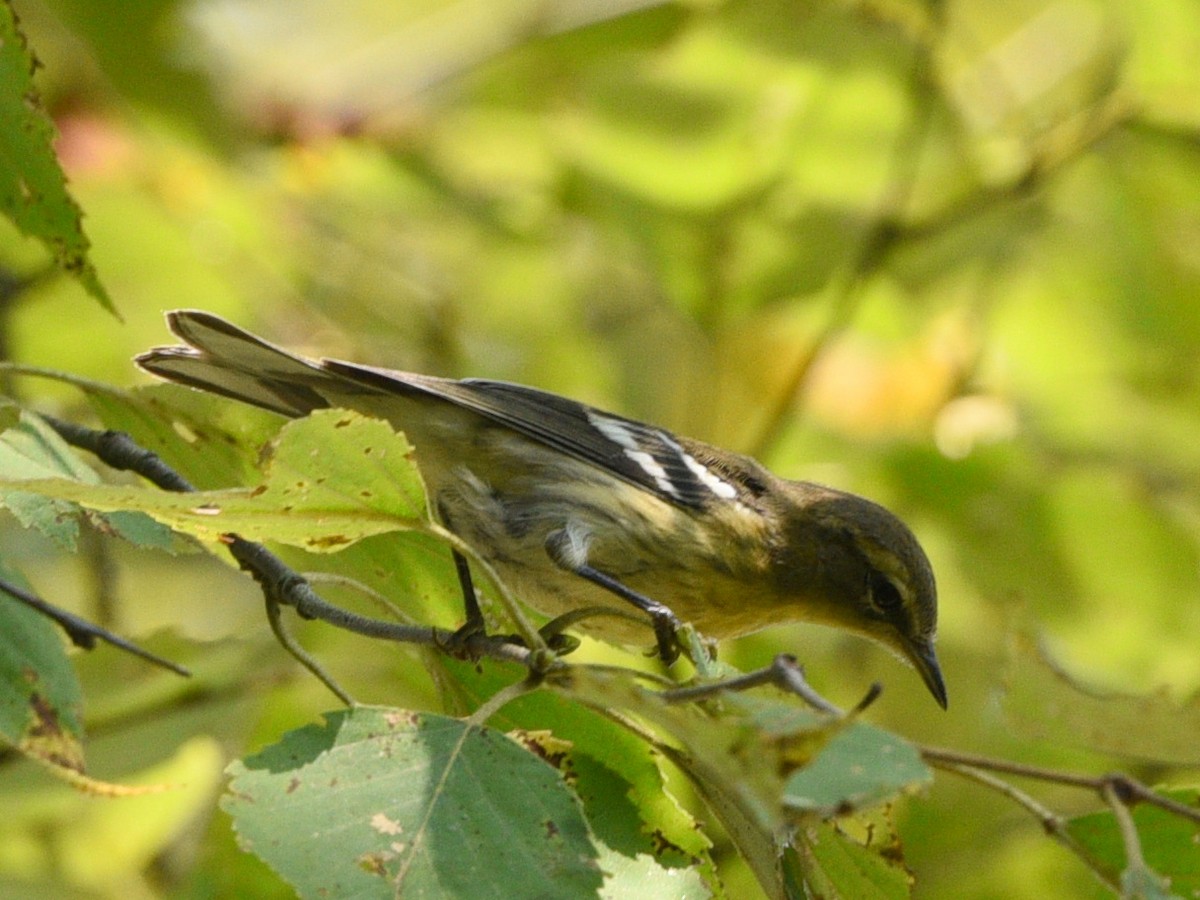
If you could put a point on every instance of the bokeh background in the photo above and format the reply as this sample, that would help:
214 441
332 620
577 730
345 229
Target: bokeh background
944 254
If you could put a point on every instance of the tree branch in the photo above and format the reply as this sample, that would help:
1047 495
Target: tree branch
83 633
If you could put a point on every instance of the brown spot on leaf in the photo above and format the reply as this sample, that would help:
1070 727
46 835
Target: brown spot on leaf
398 717
374 863
329 540
45 738
540 743
45 718
662 844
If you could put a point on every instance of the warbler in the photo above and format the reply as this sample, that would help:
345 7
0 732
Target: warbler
576 507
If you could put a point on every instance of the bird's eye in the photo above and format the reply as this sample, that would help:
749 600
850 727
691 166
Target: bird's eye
884 596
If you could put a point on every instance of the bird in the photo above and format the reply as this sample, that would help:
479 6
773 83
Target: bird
575 507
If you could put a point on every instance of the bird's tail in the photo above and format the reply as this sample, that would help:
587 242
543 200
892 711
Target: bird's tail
226 360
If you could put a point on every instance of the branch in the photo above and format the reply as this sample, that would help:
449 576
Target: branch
785 673
282 585
83 633
1129 790
1117 790
1052 823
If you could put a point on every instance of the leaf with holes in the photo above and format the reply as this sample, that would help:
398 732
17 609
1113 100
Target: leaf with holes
332 479
384 802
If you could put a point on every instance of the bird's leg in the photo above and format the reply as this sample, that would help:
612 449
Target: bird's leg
474 626
474 623
568 552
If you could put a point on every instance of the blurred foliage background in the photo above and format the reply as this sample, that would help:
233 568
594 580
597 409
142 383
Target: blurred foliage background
944 254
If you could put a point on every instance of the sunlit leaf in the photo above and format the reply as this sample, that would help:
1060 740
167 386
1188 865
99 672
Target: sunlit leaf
615 773
33 188
332 479
629 857
738 754
643 876
30 451
212 441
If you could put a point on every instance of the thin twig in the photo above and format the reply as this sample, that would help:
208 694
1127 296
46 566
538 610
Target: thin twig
1128 789
502 698
282 585
352 584
120 451
302 656
1118 791
1136 792
784 672
942 756
1051 822
83 633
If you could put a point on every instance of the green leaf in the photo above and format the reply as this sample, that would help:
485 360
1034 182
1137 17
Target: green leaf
617 774
736 751
342 460
643 877
207 439
33 188
1045 701
861 766
40 698
31 451
629 867
383 803
1169 844
831 865
332 479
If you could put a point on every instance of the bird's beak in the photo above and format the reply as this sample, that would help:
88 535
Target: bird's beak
924 660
